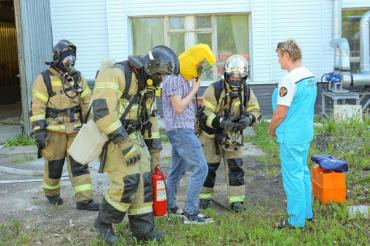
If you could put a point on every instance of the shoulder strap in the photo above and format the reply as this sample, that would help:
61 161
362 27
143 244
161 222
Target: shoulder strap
132 101
219 86
124 66
46 76
87 115
247 94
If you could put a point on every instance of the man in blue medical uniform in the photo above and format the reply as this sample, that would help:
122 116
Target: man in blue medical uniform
293 104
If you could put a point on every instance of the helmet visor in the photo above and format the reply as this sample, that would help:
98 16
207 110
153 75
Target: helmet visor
235 81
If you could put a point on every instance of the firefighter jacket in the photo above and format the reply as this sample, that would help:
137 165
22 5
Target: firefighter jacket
58 106
112 95
219 104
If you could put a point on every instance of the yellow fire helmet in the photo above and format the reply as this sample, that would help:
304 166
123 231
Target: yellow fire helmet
191 57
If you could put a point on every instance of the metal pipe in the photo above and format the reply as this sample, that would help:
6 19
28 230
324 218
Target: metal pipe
337 19
365 43
355 80
340 45
342 55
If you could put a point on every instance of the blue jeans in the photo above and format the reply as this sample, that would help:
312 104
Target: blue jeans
296 182
186 153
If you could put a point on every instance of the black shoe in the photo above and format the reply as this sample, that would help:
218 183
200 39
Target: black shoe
311 219
89 205
204 203
142 227
237 207
154 235
106 231
55 200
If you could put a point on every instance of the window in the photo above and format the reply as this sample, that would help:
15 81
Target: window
351 31
225 34
147 33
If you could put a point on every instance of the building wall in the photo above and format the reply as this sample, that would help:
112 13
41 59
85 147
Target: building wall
102 29
355 3
177 7
86 26
34 37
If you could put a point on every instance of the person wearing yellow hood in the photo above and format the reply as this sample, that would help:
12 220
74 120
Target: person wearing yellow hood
179 114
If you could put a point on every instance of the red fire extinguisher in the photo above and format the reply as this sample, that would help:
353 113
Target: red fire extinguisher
159 192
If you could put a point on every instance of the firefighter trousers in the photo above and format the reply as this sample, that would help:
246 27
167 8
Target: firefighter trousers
55 154
234 173
128 167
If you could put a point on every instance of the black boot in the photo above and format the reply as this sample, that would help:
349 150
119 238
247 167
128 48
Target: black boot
55 200
103 223
106 231
237 207
89 205
142 227
204 203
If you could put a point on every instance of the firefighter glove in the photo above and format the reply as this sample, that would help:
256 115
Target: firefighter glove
245 121
41 138
228 124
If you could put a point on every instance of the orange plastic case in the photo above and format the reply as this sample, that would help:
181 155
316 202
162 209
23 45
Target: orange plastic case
328 186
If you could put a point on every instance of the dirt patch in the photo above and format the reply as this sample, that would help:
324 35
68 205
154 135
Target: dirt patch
64 224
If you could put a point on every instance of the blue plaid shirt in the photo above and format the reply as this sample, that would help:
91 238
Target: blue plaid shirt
177 86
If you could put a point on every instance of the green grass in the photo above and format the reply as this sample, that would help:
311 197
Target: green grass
332 225
254 227
265 142
13 232
163 135
24 159
20 140
347 140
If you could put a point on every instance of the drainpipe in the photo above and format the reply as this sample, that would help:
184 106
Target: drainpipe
365 43
337 19
340 45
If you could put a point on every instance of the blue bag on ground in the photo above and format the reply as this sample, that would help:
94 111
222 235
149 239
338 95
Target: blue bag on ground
329 162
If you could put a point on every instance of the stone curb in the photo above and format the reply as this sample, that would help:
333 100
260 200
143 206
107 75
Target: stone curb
18 150
20 171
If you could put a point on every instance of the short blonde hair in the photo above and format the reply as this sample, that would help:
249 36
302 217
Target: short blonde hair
291 47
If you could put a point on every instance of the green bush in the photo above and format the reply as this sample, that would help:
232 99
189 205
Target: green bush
21 140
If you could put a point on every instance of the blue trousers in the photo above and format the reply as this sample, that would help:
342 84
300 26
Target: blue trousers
296 182
186 153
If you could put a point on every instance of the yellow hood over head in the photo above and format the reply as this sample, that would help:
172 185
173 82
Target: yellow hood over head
191 57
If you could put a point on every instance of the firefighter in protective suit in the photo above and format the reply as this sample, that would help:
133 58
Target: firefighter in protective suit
123 107
150 127
229 107
60 101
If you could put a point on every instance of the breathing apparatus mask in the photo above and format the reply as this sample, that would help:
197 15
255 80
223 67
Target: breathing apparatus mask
64 57
66 62
236 72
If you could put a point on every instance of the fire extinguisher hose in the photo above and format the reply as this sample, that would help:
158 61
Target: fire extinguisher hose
168 205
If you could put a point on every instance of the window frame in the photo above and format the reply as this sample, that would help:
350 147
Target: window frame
190 32
353 59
